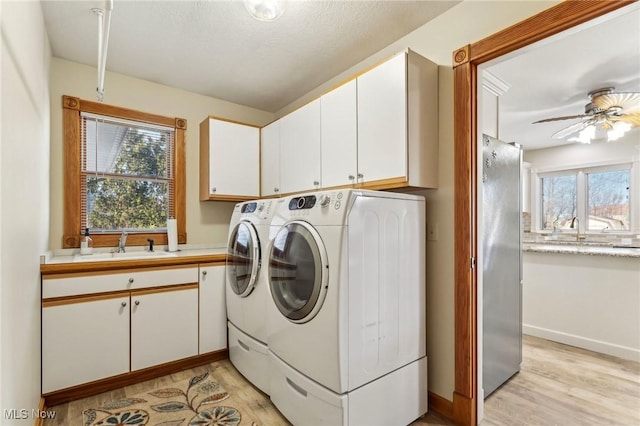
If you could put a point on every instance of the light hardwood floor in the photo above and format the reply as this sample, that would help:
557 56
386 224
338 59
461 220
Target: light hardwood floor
564 385
558 385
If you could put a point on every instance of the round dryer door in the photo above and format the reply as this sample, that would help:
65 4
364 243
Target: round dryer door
243 259
298 271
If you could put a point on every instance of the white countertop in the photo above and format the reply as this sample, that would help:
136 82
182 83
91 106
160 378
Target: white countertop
133 253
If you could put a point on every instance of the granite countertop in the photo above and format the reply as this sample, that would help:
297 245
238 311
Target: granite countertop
592 249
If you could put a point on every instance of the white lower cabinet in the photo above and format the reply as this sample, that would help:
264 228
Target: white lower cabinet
213 310
85 340
164 325
138 319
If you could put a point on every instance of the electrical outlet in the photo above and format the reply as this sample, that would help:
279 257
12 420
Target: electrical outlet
432 232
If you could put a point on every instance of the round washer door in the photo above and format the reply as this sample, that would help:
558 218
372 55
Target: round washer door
298 271
243 259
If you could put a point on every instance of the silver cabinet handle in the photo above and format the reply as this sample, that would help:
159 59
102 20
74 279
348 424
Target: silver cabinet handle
276 190
204 273
213 189
316 183
351 177
137 302
123 304
130 280
360 175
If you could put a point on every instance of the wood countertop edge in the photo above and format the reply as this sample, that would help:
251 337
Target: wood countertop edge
114 265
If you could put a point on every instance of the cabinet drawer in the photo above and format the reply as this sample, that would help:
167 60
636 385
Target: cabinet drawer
78 284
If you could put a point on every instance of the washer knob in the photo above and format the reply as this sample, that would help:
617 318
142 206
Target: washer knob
260 207
324 200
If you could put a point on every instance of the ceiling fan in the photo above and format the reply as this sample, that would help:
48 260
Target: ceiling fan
611 112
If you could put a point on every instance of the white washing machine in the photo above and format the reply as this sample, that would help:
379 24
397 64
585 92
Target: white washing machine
347 322
247 293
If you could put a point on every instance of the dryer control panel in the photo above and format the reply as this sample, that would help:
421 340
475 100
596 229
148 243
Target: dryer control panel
303 202
324 200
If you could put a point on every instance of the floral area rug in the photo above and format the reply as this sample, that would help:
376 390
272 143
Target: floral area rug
199 401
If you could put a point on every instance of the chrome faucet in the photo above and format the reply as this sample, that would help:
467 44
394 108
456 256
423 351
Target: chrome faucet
575 224
122 241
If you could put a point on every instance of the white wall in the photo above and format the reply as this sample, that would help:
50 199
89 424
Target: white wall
24 201
465 23
626 148
207 221
588 301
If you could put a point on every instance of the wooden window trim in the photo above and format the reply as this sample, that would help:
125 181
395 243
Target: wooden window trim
72 234
466 60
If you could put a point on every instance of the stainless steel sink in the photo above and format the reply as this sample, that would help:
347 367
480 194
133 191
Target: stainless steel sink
132 255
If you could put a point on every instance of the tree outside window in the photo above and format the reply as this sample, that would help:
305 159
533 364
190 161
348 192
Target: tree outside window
559 201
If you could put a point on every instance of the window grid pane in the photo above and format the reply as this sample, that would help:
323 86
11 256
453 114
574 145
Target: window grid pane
608 200
559 201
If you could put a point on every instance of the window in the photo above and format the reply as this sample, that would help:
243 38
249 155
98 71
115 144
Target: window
124 171
598 197
608 200
559 201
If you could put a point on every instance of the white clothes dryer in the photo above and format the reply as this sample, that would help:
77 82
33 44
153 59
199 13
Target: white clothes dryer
347 326
247 291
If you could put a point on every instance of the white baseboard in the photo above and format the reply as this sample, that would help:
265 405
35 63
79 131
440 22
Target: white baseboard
632 354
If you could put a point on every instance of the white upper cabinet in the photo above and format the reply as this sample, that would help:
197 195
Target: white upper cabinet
300 149
339 138
376 131
229 158
398 123
270 159
382 123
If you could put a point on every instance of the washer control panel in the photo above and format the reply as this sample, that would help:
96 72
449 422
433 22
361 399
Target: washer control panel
261 209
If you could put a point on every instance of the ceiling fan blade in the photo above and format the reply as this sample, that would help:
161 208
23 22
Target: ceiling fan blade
574 128
567 117
628 101
633 119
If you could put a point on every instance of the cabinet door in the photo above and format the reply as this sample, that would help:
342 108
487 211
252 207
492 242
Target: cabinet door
300 149
164 325
84 339
233 159
270 159
213 313
382 121
339 139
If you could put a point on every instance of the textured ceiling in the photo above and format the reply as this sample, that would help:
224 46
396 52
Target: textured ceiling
552 78
217 49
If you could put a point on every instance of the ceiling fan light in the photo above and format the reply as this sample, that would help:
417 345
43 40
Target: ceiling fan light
585 135
265 10
618 129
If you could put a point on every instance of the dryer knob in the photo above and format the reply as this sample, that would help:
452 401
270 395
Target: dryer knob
260 207
324 200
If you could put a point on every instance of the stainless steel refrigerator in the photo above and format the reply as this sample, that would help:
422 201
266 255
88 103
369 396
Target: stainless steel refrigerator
502 262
